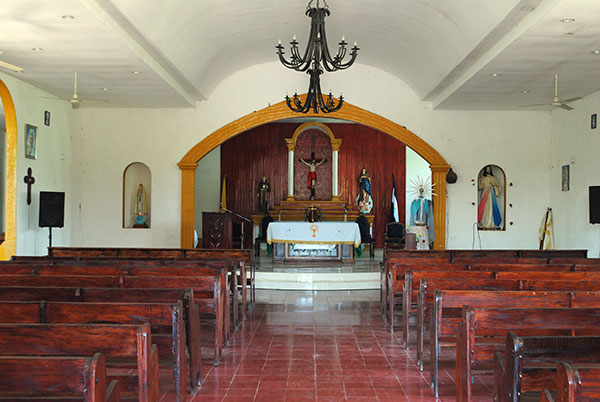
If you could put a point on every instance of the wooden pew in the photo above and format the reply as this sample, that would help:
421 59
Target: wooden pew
397 275
412 281
479 326
229 276
486 293
575 383
137 268
207 292
165 319
113 341
246 254
411 257
54 378
528 363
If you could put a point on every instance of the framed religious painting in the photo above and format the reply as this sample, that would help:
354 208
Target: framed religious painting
565 178
30 141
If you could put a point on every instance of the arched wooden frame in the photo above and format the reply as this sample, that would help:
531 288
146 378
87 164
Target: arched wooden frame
335 147
9 247
188 164
335 142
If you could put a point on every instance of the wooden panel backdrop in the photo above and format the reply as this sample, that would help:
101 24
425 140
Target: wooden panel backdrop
262 152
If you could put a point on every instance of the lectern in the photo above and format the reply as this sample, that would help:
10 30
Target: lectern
216 230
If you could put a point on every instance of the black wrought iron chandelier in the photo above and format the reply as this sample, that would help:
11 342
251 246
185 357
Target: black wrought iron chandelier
315 61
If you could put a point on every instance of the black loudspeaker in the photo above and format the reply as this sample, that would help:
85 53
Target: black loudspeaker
594 204
52 209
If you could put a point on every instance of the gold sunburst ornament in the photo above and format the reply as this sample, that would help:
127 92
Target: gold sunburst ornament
422 188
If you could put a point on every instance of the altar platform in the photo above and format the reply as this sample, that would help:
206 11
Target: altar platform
363 273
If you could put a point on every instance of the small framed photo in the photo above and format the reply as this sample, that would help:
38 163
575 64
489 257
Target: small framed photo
30 141
47 118
565 183
593 121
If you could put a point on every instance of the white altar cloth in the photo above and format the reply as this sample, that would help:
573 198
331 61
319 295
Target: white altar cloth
314 233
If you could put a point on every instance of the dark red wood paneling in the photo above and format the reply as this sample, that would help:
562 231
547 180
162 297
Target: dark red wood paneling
262 151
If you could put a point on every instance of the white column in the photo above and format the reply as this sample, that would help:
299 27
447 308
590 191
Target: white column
334 174
290 174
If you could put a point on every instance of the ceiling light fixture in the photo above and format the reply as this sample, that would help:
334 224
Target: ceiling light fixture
567 20
525 91
494 75
105 89
135 72
595 51
37 49
316 53
68 17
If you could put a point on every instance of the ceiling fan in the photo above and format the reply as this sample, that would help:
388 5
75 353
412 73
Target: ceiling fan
76 100
557 102
10 66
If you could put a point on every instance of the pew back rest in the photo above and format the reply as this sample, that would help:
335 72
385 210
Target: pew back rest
84 376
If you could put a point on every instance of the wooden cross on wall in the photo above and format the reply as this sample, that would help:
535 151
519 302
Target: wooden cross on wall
29 180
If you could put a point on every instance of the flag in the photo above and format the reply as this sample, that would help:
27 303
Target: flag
547 232
224 195
394 217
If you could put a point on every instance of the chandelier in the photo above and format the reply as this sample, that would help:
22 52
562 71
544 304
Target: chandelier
315 61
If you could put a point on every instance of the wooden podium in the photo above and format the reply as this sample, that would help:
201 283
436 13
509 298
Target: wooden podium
216 230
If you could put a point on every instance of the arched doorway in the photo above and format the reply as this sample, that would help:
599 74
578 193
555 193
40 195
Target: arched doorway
8 247
279 111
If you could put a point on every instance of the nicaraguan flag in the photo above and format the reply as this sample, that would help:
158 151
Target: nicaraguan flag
394 207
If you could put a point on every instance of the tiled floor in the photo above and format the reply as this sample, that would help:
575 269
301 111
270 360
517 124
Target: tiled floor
321 346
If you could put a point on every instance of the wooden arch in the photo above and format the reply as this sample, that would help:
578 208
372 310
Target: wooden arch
9 247
188 164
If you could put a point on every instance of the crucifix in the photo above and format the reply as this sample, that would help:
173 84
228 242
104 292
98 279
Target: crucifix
29 180
312 174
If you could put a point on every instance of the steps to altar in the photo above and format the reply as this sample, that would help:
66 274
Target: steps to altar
362 274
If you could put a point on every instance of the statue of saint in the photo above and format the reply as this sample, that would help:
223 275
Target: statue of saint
421 215
364 201
141 206
262 193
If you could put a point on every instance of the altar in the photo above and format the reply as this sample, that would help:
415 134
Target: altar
313 241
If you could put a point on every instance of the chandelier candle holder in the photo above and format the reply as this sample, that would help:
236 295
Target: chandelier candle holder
315 61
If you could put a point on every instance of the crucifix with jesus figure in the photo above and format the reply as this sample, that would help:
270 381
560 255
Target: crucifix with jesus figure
312 173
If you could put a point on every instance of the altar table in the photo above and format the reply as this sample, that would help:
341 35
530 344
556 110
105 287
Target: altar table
313 241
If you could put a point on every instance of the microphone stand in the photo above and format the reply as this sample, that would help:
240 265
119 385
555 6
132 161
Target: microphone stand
243 218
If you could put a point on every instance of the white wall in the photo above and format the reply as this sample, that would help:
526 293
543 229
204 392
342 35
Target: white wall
55 169
574 143
515 141
208 186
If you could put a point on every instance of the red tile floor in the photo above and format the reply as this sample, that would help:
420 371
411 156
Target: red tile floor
321 346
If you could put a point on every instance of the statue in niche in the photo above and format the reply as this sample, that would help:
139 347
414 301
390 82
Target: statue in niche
140 208
489 216
421 215
364 200
262 193
312 173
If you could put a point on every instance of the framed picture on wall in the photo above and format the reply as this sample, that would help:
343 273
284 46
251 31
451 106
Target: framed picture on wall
30 141
565 183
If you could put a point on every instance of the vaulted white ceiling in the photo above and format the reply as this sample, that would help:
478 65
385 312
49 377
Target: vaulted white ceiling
445 50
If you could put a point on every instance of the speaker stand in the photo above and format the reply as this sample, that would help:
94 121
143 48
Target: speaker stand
50 236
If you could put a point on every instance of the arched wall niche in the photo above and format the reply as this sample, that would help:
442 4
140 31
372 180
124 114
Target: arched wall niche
491 198
8 247
439 167
134 175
